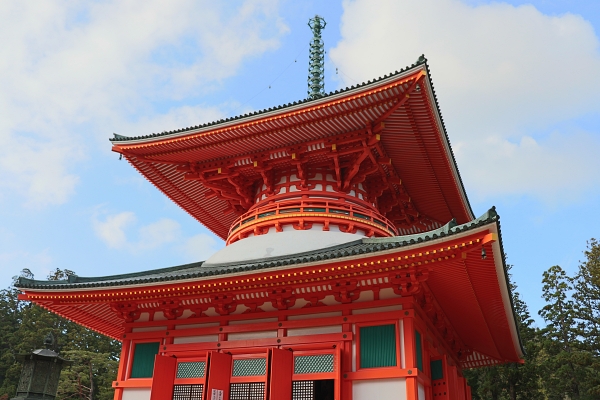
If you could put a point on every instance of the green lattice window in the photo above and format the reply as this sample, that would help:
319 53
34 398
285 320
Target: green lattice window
377 346
437 371
419 350
313 364
250 367
143 359
194 369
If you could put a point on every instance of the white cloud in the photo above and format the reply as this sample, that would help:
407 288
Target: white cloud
504 76
115 231
200 247
158 233
120 231
112 229
76 71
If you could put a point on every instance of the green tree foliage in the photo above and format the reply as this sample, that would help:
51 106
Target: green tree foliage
512 381
23 327
562 359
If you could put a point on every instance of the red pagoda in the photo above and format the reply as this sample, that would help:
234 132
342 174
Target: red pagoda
354 267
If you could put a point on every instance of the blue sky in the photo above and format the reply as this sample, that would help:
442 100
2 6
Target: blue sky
518 85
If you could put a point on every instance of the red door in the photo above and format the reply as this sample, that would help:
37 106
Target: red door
282 368
163 378
219 374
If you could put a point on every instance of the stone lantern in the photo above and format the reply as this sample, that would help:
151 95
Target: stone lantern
40 373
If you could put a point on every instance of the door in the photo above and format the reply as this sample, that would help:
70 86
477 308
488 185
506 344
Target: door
219 374
282 368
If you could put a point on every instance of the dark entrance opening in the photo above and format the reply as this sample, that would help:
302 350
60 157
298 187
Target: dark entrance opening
313 390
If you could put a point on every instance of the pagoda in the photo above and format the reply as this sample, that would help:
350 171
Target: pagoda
354 267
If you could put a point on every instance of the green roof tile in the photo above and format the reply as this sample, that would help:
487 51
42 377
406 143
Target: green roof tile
197 270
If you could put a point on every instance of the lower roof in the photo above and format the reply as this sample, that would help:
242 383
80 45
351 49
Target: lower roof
473 291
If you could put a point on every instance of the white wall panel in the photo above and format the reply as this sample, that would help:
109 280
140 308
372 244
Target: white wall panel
314 331
252 335
196 339
310 316
380 389
149 329
252 321
421 392
193 326
136 394
377 309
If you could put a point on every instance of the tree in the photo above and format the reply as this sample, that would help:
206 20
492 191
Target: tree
512 381
23 327
565 361
586 298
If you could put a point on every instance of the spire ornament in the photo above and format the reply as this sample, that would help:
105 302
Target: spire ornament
316 67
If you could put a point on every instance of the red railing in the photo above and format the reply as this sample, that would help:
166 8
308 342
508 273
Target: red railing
330 209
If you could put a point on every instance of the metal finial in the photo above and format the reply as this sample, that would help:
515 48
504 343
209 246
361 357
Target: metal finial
316 68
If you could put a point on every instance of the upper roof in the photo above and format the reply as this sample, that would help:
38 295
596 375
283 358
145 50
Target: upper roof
412 133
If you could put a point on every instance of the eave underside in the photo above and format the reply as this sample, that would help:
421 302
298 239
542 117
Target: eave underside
409 129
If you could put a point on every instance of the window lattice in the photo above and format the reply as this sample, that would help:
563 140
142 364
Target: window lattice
303 390
250 367
247 391
313 364
187 392
191 369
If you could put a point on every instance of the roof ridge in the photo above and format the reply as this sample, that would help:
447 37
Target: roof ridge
361 246
82 279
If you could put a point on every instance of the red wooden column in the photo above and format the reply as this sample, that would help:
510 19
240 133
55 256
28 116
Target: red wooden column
219 374
282 368
345 363
163 378
441 387
410 356
123 363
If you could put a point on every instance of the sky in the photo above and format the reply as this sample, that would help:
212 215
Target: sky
518 85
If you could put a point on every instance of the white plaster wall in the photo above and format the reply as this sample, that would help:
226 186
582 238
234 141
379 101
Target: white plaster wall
136 394
387 293
377 309
186 314
279 244
421 392
314 331
145 316
380 389
210 312
311 316
267 306
353 348
365 295
149 329
196 339
329 300
159 316
193 326
252 321
252 335
402 355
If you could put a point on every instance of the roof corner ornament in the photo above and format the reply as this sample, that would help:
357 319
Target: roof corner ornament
316 67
